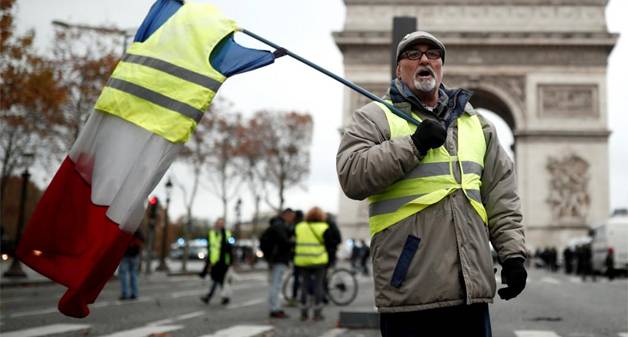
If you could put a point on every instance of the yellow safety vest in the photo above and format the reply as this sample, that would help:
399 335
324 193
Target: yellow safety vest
215 242
166 83
310 245
433 179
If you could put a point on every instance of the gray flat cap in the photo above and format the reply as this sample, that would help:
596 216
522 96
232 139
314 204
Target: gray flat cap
420 37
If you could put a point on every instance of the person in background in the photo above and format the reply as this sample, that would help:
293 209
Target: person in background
296 282
310 255
220 254
277 248
129 267
365 253
332 239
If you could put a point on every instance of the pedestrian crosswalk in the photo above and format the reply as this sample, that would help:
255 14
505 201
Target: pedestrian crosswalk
243 330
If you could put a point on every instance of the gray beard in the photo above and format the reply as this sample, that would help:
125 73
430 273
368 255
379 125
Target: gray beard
425 85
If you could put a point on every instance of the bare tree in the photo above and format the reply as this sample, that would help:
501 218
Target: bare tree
251 156
286 137
85 58
225 140
196 154
30 97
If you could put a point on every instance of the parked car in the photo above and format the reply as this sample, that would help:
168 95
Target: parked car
197 249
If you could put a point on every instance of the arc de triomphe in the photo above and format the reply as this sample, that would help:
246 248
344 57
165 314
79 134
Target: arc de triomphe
538 64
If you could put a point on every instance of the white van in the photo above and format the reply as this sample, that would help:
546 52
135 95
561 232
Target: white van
612 236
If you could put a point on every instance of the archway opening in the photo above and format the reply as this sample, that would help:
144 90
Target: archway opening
497 112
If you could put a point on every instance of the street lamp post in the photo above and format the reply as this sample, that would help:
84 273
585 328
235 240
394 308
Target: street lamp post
15 270
164 235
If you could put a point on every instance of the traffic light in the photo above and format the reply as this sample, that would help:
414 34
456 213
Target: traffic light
153 204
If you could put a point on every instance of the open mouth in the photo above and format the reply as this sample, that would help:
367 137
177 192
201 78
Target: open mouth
424 73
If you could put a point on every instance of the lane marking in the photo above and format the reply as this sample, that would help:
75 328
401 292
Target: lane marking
241 331
535 333
34 312
45 330
101 304
623 334
333 333
246 304
190 315
196 292
178 318
145 331
550 280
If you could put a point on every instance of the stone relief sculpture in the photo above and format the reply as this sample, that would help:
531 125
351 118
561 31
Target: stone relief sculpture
569 180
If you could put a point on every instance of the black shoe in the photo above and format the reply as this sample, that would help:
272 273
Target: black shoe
278 314
225 301
122 298
205 299
133 297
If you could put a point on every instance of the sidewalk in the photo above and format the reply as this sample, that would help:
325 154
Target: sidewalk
33 278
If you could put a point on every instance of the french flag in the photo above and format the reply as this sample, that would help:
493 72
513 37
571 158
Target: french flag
86 218
93 205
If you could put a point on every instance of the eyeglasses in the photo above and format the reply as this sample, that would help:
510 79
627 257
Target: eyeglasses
414 54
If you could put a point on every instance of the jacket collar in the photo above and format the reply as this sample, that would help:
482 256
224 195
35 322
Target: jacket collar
451 102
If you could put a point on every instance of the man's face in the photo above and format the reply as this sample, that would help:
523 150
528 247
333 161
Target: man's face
423 75
288 217
219 224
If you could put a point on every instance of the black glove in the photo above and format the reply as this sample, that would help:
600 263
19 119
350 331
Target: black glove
429 135
514 275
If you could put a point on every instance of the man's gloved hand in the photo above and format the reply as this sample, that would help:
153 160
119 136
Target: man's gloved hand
429 135
514 275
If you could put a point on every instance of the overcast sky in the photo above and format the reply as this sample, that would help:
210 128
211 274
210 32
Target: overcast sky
305 28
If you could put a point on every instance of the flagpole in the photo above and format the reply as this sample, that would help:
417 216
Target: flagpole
334 76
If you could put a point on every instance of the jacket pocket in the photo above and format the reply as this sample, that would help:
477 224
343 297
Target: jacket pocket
405 258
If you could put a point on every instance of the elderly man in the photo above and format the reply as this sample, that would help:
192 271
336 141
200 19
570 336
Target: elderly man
438 195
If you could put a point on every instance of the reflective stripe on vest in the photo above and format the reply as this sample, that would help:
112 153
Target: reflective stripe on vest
215 241
433 179
309 247
166 83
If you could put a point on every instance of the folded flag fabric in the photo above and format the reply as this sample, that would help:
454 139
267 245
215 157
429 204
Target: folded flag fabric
151 104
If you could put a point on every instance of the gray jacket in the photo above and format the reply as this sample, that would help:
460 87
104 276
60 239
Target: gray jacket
453 263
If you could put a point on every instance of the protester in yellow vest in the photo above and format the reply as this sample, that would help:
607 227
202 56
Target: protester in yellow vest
310 255
220 255
439 194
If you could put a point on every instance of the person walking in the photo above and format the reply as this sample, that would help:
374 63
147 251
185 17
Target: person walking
277 248
296 275
310 255
365 253
220 253
129 267
437 193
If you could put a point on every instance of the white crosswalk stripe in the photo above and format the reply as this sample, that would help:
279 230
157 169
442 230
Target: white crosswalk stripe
145 331
333 333
550 280
241 331
535 333
623 334
46 330
246 304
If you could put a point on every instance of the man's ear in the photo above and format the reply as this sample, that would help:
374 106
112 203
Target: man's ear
397 70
